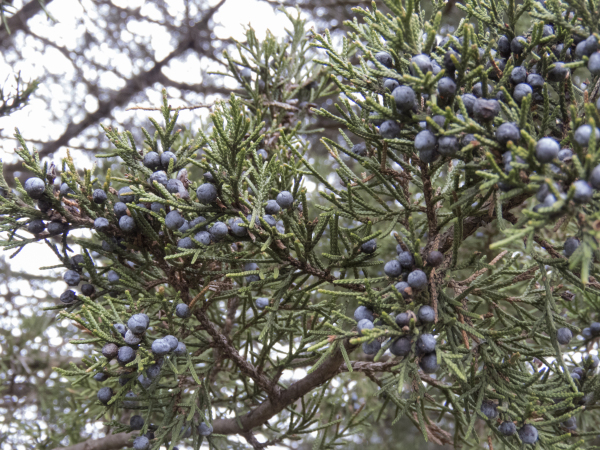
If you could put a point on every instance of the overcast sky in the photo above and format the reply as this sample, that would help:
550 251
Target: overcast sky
34 120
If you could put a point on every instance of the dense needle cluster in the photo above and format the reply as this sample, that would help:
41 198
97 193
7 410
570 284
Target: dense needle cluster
212 270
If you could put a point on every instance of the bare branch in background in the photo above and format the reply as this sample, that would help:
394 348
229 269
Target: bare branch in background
110 442
148 108
18 21
133 86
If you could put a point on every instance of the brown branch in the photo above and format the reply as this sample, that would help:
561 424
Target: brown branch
427 379
471 224
434 432
251 439
547 246
595 91
435 280
555 254
222 342
116 99
272 406
110 442
39 141
133 86
427 195
179 108
463 332
369 366
307 268
232 305
499 72
480 272
309 6
198 87
198 295
155 283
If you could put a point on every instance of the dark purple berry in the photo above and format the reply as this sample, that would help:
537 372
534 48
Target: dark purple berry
486 110
507 428
429 363
369 247
36 226
583 192
517 45
390 84
564 336
417 279
508 131
446 88
401 346
384 59
558 73
423 62
528 434
426 314
393 268
87 289
435 258
405 98
104 395
489 409
35 187
546 149
99 196
389 129
518 75
425 141
521 91
364 324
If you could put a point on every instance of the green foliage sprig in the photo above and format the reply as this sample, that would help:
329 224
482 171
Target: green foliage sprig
294 274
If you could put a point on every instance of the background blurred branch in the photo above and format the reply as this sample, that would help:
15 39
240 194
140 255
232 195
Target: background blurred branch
18 21
110 442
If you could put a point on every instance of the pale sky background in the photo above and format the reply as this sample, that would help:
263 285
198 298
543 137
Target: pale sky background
234 16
